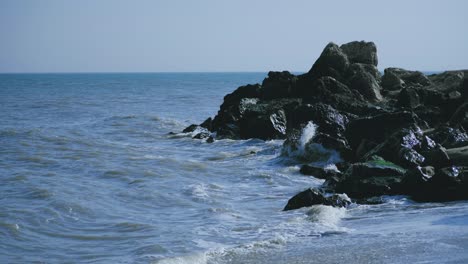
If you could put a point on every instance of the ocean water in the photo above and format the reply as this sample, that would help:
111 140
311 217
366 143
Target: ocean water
89 174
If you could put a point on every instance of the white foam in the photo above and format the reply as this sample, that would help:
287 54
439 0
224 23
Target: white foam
326 215
308 132
200 258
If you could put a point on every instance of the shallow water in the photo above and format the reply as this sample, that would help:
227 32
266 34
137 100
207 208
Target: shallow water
90 174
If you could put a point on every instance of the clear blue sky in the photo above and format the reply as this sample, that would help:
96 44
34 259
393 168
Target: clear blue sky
217 35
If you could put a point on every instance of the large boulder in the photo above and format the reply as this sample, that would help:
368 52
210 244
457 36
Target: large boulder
361 52
378 128
278 85
372 178
365 80
311 197
319 172
397 78
332 62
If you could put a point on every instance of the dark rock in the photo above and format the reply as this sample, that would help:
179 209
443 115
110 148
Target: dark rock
408 97
361 52
447 184
436 157
318 172
207 124
210 140
396 78
190 128
379 127
328 119
415 179
329 90
263 125
448 81
449 137
460 116
334 143
202 135
311 197
278 85
458 156
364 82
332 62
372 178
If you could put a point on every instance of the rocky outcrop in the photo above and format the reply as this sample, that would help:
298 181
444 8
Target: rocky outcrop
402 132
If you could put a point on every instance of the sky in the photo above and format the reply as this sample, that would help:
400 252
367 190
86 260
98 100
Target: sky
220 36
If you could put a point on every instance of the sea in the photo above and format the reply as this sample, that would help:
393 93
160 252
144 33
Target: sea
91 173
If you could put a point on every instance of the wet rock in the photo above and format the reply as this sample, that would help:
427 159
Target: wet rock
458 156
190 128
202 135
436 157
328 119
379 127
449 137
319 172
361 52
460 116
447 184
372 178
311 197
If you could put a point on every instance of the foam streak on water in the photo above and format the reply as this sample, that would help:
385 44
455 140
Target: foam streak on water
90 174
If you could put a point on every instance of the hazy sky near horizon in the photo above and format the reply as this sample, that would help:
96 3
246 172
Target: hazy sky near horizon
216 35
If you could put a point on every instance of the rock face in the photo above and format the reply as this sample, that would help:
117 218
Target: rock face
398 133
311 197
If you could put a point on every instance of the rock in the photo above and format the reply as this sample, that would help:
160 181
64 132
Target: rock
408 97
329 90
372 178
448 81
458 156
332 62
364 82
460 116
263 125
397 78
415 179
361 52
311 197
190 128
318 172
208 124
436 157
449 137
329 120
278 85
447 184
379 127
202 135
210 140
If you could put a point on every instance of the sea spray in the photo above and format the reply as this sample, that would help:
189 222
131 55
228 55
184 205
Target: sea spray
300 146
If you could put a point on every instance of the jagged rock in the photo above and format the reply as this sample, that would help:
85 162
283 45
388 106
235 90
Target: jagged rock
408 97
190 128
361 52
449 137
397 78
372 178
329 120
448 81
332 62
365 82
278 85
311 197
319 172
379 127
202 135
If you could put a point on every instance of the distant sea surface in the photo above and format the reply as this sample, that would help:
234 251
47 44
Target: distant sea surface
89 174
